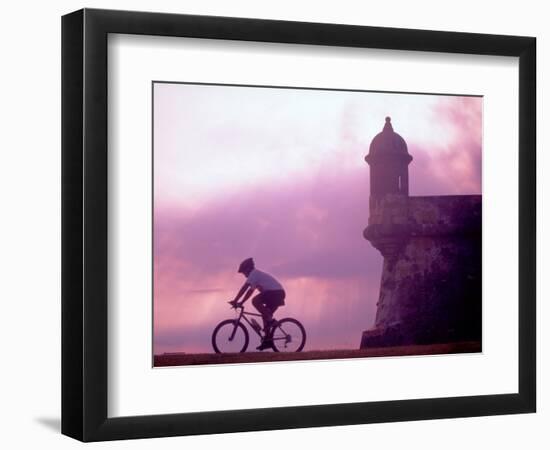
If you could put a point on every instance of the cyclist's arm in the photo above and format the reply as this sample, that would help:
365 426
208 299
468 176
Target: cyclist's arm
248 294
241 292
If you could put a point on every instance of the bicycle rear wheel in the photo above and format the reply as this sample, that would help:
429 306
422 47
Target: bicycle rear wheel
288 335
230 336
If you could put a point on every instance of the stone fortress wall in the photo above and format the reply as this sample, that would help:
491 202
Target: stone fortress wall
430 291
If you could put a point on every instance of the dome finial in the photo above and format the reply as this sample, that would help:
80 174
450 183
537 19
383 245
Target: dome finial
387 125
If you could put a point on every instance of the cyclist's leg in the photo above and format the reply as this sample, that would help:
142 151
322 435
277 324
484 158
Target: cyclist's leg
272 300
259 302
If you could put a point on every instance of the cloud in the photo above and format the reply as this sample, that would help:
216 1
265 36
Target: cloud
308 234
453 165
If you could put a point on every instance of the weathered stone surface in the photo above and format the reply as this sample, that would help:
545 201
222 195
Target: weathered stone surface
431 283
430 291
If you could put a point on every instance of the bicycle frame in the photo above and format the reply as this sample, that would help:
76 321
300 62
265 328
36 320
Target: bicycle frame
242 316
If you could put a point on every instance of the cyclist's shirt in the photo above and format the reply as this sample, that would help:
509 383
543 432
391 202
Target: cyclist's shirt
263 281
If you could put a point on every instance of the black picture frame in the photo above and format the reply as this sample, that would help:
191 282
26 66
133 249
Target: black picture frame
84 224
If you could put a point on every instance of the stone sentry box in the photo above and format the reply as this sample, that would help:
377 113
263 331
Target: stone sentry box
430 291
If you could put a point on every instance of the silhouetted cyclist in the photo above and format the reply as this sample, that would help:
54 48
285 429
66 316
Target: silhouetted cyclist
271 296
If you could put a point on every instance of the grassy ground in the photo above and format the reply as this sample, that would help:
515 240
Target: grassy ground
268 355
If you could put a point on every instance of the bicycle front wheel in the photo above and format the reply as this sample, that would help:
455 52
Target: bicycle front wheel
230 336
288 335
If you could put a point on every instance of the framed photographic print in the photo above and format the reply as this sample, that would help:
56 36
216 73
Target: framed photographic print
345 214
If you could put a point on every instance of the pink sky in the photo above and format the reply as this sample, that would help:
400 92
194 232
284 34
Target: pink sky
279 175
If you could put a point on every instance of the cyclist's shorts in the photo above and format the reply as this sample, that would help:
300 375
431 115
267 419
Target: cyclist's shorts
273 299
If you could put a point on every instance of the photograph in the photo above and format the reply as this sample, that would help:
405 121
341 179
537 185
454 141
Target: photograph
296 223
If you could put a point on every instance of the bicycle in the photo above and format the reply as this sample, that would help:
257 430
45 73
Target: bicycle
231 336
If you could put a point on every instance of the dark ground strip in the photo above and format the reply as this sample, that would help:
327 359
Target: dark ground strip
269 356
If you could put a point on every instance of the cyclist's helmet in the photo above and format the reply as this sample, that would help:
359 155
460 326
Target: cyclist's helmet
246 265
